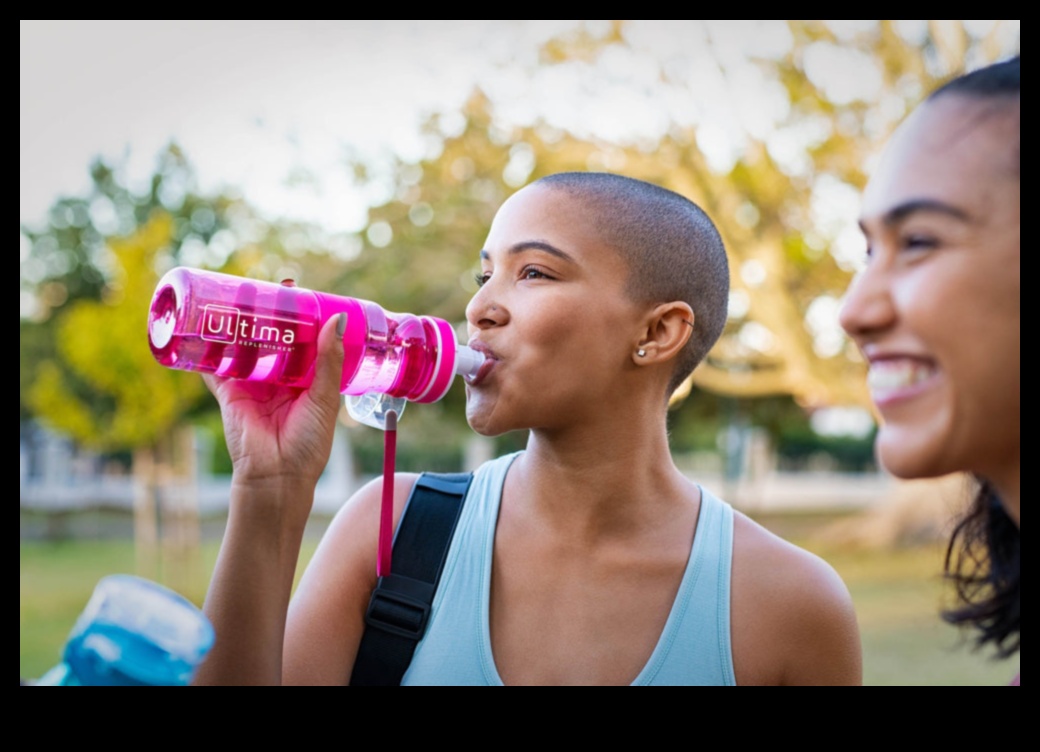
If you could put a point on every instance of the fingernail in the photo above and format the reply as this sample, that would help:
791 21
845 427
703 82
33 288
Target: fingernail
341 324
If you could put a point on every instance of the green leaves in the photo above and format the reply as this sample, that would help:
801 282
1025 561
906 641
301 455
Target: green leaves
102 386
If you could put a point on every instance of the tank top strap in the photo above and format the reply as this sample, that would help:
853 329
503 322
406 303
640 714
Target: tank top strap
695 648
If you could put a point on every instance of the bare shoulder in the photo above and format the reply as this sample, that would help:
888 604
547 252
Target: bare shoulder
766 563
792 618
327 611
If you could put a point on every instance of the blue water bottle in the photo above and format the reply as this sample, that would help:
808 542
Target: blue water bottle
133 632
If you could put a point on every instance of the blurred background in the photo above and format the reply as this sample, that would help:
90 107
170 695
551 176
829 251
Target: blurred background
367 158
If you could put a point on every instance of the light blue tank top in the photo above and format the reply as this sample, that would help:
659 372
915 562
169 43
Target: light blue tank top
694 648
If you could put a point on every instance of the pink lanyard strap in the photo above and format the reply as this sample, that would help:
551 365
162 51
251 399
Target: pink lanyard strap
386 512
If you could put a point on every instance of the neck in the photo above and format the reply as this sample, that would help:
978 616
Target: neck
608 477
1007 485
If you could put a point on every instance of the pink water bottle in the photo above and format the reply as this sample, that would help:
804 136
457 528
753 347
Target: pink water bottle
263 331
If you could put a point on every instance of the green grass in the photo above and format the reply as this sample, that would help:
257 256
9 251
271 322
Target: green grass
56 580
897 594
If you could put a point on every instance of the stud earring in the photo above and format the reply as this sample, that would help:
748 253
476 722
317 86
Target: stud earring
641 352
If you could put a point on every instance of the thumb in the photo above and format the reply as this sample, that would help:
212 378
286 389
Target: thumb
328 367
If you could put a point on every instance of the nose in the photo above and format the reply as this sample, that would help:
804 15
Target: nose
483 310
868 306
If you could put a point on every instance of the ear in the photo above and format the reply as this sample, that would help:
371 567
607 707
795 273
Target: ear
668 329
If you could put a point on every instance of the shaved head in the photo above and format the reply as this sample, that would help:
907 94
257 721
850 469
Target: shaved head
671 247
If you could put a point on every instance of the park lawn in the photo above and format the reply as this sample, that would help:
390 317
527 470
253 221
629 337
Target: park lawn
56 580
897 594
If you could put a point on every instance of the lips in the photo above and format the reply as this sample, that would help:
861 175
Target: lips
490 359
893 378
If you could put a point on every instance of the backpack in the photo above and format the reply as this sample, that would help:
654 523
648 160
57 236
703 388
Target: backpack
399 608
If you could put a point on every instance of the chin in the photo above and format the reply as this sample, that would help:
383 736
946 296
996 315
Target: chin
909 460
483 423
486 431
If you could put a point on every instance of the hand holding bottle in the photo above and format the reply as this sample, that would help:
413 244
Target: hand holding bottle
283 432
279 438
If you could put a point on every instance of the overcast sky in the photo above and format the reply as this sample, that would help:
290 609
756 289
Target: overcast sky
251 100
246 99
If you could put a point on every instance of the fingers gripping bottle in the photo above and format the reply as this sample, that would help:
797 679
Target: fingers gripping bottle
262 331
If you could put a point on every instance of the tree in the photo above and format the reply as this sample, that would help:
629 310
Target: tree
108 392
89 276
791 262
86 367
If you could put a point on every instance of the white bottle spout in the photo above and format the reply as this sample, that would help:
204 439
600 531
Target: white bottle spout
468 361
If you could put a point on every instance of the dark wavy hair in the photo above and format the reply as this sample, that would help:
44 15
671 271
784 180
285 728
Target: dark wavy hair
984 562
984 556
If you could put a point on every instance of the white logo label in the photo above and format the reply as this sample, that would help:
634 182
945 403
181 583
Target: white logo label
232 326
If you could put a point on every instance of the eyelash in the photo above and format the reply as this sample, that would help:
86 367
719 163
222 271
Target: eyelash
911 243
919 242
481 278
528 270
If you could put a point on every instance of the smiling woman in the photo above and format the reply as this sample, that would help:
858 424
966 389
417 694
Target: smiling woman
937 314
587 558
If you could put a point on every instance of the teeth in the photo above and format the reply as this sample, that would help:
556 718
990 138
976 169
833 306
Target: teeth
897 374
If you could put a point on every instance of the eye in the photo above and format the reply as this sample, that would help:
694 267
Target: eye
531 272
918 242
868 246
481 278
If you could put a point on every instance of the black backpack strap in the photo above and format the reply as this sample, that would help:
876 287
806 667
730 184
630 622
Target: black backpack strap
400 604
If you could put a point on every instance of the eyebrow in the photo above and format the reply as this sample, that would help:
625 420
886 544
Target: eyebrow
898 213
532 245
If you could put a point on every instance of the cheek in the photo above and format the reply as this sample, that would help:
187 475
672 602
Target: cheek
957 306
970 324
986 384
584 346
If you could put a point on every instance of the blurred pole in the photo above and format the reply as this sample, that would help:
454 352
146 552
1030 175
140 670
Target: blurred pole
179 513
478 450
146 520
732 444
